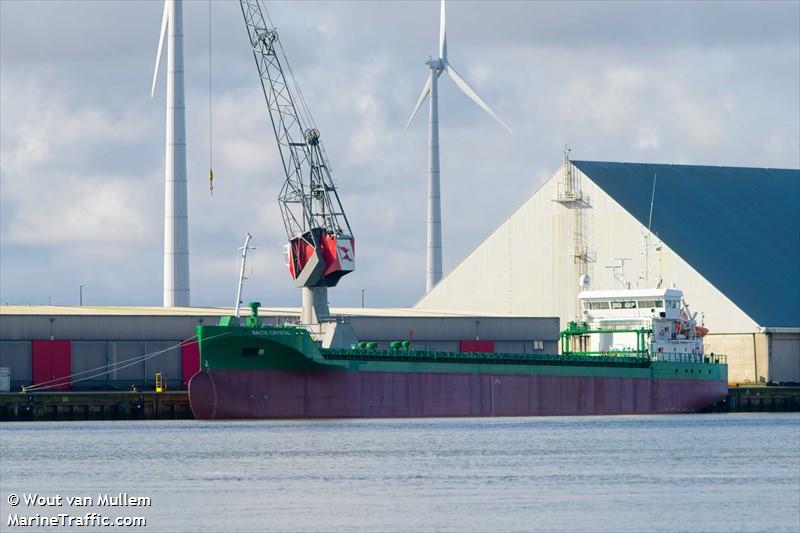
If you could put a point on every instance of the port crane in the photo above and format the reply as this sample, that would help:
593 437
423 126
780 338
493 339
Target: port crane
320 247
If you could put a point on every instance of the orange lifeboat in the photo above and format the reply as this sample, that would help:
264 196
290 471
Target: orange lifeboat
701 331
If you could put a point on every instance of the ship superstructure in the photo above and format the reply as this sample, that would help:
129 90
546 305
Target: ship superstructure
655 322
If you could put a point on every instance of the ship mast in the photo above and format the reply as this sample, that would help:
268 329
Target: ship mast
646 238
241 273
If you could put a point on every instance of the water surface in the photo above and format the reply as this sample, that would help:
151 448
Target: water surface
624 473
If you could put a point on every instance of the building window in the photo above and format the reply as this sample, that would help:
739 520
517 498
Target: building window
538 345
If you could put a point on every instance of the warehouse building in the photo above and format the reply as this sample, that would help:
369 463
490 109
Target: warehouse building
728 237
105 348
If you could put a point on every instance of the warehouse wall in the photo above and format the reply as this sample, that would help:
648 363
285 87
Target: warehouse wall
107 351
759 357
90 355
785 357
91 360
456 328
748 355
16 355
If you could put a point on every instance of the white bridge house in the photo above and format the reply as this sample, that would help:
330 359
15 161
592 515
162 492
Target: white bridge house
675 333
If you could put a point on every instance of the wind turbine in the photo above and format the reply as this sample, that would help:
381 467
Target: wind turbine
437 66
176 216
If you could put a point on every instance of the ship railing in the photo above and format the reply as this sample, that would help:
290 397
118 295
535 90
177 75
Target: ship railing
709 358
418 356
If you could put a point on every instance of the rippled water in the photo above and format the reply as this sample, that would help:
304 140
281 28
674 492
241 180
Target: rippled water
627 473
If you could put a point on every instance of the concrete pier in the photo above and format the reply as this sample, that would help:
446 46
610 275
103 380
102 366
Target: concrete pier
759 399
107 405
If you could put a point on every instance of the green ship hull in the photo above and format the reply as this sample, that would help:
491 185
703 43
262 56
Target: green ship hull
280 372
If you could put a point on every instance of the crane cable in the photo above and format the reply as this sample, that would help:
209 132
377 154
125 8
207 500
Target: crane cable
210 135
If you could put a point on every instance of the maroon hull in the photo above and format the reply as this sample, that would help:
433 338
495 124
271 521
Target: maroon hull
280 394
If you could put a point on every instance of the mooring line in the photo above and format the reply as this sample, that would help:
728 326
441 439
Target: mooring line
107 369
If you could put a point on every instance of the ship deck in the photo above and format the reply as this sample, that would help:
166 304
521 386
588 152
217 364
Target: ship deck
484 358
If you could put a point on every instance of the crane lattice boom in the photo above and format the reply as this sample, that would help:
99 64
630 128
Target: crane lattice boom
321 244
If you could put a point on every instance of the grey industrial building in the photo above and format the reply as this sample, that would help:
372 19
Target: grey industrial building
119 347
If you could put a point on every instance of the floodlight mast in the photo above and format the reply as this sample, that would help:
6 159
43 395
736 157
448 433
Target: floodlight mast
321 244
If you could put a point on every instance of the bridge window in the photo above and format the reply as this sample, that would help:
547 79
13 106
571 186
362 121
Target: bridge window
651 304
624 304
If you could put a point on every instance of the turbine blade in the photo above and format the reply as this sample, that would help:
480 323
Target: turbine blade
425 91
164 20
466 89
442 35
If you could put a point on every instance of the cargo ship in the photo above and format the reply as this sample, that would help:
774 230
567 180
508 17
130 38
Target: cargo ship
633 352
615 359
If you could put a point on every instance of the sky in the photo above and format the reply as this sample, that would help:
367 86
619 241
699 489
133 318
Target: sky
82 143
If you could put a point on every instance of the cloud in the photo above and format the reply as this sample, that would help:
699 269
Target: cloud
647 138
58 195
100 210
82 143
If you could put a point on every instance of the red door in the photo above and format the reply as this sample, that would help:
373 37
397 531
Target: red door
477 346
190 361
51 364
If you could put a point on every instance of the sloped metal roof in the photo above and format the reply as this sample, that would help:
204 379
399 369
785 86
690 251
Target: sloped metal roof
738 227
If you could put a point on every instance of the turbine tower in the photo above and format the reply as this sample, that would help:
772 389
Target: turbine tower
176 212
436 67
